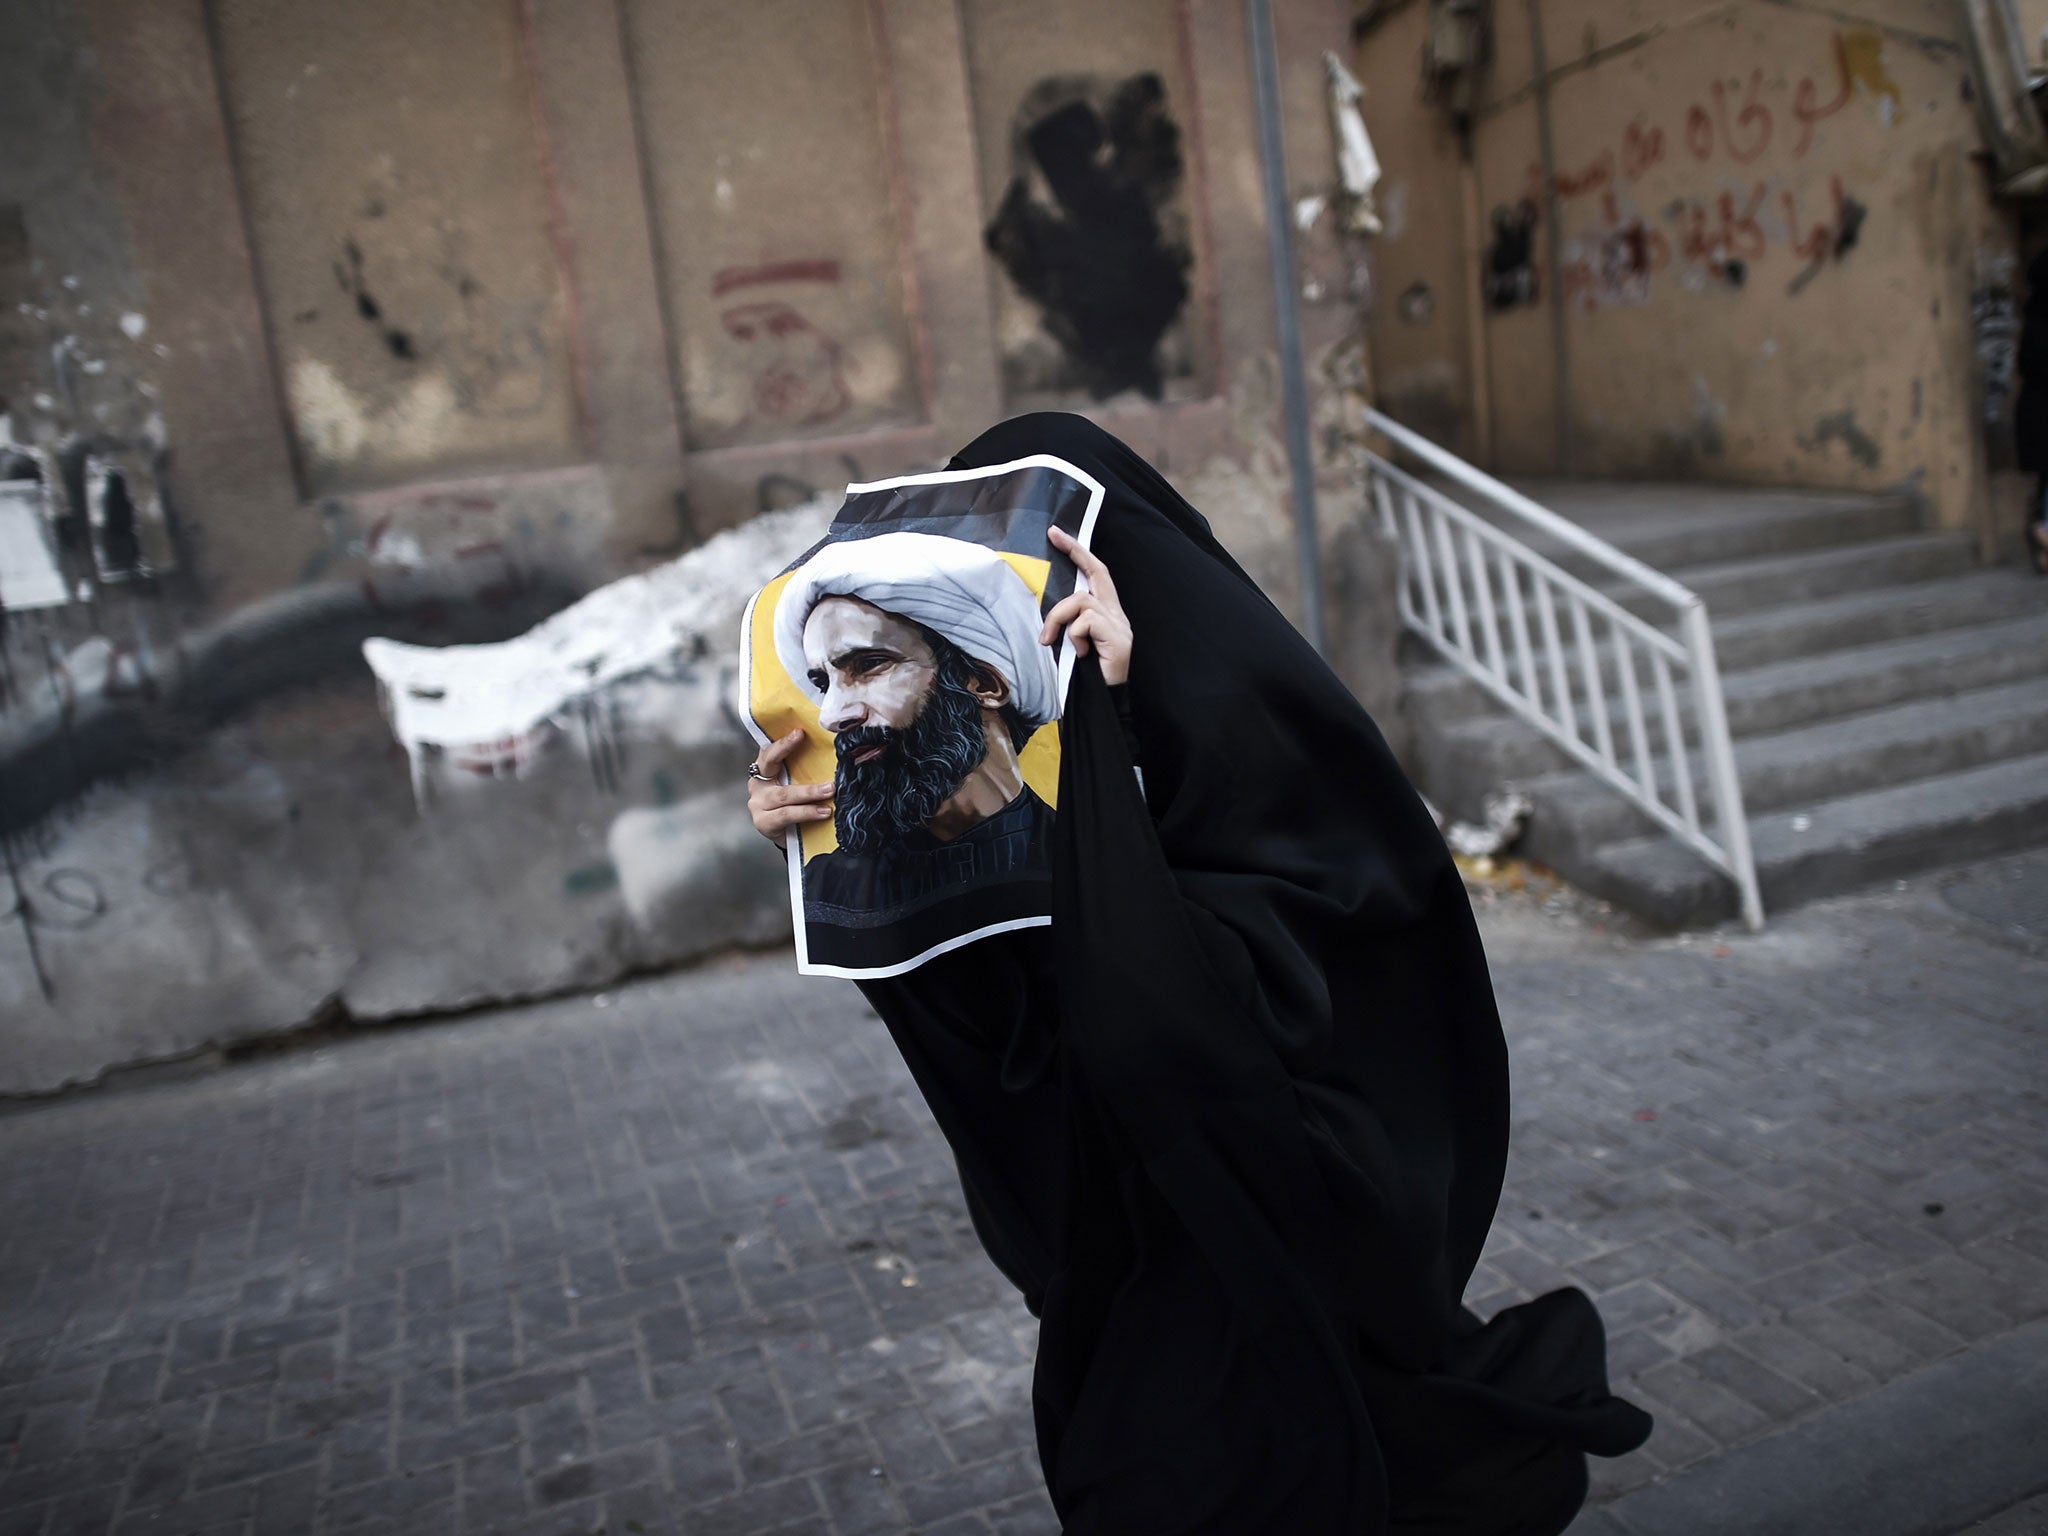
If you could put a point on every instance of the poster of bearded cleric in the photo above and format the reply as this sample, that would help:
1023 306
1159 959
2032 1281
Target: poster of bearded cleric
905 645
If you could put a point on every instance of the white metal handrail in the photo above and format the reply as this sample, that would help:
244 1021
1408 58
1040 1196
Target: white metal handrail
1490 605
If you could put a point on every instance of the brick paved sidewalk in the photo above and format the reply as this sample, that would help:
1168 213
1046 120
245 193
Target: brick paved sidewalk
691 1257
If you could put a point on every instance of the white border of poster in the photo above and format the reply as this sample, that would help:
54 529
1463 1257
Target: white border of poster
794 851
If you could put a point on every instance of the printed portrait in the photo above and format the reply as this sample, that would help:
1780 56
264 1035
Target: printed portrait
906 647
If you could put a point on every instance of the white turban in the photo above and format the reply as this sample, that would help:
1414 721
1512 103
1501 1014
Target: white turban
965 592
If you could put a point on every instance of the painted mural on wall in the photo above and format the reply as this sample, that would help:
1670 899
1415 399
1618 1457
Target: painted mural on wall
797 367
1089 232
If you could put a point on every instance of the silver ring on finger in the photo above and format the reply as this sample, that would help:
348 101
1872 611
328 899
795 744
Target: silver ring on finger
754 773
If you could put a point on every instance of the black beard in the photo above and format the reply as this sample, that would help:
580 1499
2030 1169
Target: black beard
918 769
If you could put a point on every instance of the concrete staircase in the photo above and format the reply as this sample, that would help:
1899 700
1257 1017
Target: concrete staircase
1887 695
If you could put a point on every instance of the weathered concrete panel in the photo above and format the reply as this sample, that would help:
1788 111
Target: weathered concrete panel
764 133
159 142
620 355
66 365
81 433
259 872
925 56
1081 120
400 214
282 870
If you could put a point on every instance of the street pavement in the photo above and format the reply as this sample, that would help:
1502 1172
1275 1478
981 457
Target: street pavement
690 1256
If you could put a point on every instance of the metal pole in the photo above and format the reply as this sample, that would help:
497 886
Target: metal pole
1553 226
1280 251
1480 362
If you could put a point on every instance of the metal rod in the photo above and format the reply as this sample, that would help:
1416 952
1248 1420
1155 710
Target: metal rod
1720 751
1596 696
1383 503
1508 499
1454 586
1639 734
1613 777
1478 357
1518 627
1443 535
1287 318
1482 589
1425 574
1674 743
1383 500
1553 647
1645 634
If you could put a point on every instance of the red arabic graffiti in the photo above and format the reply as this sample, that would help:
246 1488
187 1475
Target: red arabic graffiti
1745 135
1641 148
1722 234
1808 110
1723 230
1732 120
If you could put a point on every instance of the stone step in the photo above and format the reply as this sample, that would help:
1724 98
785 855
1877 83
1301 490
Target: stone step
1440 694
1744 586
1835 845
1867 617
1575 814
1772 697
1846 682
1879 685
1667 526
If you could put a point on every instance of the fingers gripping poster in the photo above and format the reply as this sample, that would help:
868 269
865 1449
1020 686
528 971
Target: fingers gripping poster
905 647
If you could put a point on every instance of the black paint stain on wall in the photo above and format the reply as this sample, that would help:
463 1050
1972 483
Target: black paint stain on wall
1842 427
349 273
1094 254
120 545
1849 226
1510 277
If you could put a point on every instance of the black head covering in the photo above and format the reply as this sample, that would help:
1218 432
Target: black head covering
1237 1122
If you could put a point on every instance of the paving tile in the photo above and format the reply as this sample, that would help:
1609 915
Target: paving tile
539 1271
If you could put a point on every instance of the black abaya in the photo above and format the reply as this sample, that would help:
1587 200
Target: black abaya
1236 1124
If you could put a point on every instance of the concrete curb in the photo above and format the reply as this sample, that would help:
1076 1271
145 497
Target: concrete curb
1926 1455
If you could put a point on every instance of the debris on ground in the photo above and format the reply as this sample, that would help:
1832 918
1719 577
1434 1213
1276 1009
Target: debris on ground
1503 816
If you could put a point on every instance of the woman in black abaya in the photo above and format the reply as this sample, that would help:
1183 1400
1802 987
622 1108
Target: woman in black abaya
1236 1122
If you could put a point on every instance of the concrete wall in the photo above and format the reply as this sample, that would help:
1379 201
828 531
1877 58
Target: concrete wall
766 137
423 324
397 203
1777 258
81 354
